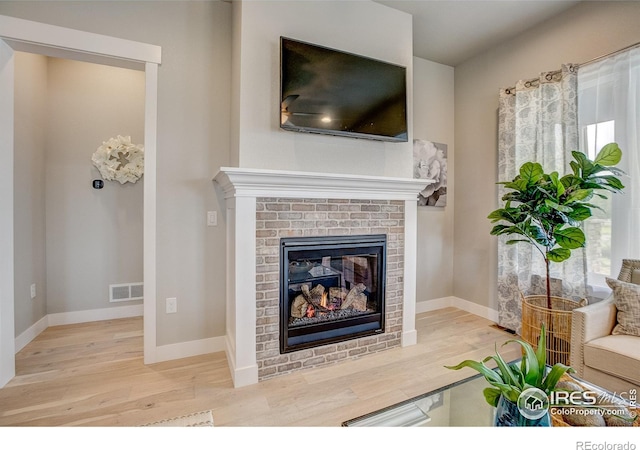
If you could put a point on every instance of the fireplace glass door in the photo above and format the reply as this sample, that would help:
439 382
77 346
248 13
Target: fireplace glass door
332 289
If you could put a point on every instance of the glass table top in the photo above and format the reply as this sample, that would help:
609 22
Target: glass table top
460 404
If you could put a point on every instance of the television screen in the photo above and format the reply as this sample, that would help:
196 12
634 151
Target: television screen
333 92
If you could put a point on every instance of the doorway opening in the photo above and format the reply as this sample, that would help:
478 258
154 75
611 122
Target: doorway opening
47 40
72 241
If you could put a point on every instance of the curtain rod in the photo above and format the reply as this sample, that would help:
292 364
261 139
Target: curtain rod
599 58
510 90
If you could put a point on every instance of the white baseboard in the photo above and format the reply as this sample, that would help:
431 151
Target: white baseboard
191 348
68 318
31 333
456 302
409 338
242 376
93 315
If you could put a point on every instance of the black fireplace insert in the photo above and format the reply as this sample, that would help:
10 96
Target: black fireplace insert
332 289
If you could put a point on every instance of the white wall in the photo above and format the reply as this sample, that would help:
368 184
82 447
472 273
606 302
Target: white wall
433 99
360 27
586 31
194 82
30 111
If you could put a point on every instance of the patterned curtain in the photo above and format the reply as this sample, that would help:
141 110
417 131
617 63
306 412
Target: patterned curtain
537 122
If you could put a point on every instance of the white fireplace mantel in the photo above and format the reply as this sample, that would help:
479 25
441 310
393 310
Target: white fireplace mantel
241 188
237 182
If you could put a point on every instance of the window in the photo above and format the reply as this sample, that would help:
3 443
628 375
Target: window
609 111
598 227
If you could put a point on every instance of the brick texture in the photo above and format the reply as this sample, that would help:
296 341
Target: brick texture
285 217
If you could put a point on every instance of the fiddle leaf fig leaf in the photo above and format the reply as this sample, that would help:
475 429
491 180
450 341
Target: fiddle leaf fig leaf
515 241
557 184
575 167
538 234
579 213
570 238
558 255
613 182
553 205
609 155
531 172
586 166
580 194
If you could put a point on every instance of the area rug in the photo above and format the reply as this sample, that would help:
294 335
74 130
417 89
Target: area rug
199 419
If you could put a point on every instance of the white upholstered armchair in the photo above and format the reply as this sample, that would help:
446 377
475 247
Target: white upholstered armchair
605 351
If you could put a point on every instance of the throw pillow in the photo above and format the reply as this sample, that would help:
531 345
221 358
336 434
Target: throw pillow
626 297
630 271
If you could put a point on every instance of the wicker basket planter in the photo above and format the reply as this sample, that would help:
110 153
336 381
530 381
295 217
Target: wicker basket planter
557 320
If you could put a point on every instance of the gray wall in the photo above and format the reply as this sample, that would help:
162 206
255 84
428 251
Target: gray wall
433 97
94 237
29 189
193 141
72 241
586 31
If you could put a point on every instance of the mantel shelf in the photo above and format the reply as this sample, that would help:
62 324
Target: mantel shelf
241 182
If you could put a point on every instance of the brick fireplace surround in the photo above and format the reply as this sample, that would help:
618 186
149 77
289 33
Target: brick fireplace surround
264 205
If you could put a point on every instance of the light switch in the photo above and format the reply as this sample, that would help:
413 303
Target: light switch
212 218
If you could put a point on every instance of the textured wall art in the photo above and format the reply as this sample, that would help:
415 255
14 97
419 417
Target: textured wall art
120 160
430 162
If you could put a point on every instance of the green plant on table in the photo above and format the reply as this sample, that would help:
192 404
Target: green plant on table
510 379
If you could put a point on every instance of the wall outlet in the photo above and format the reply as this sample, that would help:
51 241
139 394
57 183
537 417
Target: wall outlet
212 218
172 305
33 291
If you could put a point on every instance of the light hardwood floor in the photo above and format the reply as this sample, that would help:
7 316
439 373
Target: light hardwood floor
92 375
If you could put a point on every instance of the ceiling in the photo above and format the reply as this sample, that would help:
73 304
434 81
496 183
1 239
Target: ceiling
452 31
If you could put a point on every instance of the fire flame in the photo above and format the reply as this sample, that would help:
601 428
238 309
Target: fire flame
310 311
323 302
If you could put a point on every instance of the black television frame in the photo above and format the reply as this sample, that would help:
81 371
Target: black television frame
403 138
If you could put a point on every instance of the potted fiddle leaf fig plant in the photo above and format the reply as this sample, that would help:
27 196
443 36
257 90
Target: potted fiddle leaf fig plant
510 380
545 210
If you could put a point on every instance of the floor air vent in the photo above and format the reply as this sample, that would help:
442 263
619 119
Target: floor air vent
125 292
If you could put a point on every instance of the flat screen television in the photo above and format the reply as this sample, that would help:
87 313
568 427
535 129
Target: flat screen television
328 91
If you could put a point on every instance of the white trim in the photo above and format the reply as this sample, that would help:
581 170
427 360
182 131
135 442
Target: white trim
22 34
434 304
238 182
457 302
149 212
31 333
94 315
69 318
409 333
52 40
192 348
7 322
242 376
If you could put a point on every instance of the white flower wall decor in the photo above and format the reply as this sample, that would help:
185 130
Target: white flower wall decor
120 160
430 162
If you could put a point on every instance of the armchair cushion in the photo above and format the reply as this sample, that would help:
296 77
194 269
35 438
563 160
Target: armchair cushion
626 297
617 355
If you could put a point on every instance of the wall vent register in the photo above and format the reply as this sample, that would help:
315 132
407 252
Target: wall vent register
125 292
